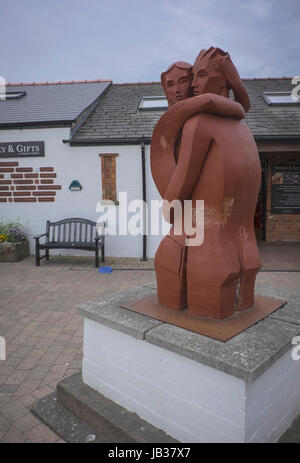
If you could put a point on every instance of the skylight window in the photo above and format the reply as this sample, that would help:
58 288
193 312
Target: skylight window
279 98
153 102
14 95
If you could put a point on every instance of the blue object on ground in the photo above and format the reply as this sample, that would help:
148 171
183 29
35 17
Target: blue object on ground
105 270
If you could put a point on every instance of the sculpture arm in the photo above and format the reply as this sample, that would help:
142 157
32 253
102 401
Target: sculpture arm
234 81
174 118
240 94
167 129
192 154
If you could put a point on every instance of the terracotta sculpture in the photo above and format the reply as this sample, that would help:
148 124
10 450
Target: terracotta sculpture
201 149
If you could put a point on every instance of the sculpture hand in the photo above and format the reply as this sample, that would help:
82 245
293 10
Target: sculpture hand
233 80
226 66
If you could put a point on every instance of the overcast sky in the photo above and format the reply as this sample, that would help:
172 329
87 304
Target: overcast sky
135 40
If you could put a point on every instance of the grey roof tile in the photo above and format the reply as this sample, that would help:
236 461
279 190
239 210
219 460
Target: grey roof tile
49 102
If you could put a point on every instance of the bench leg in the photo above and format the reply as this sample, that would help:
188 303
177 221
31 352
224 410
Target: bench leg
47 254
37 253
97 256
102 253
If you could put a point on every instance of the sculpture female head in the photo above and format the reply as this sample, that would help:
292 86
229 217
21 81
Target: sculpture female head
208 74
176 82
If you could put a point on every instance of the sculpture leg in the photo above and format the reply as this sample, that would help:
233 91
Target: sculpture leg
170 262
250 263
212 279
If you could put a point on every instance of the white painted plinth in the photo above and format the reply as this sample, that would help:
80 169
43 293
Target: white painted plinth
190 401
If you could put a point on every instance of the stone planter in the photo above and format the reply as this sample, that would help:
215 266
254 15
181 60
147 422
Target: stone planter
13 252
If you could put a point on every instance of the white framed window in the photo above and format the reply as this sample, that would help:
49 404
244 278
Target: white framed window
279 98
153 102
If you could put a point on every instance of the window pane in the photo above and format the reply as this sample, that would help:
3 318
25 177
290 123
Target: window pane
280 98
14 95
152 103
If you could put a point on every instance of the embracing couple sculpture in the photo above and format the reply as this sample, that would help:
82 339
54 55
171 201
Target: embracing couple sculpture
202 150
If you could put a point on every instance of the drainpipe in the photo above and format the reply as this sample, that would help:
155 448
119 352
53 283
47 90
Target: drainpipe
145 202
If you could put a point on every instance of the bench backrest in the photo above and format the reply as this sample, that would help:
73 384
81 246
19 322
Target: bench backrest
73 230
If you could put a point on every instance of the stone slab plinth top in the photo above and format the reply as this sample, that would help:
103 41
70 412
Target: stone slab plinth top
246 356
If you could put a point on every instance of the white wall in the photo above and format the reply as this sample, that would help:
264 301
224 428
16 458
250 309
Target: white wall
190 401
273 401
81 163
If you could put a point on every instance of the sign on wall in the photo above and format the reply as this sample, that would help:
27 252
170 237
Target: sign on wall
22 149
285 193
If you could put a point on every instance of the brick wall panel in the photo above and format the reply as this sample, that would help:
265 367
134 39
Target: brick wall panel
48 175
25 187
31 175
22 193
43 199
24 200
9 164
108 173
49 187
46 182
6 169
24 169
23 182
44 193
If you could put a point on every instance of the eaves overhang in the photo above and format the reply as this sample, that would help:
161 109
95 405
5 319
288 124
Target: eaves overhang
108 141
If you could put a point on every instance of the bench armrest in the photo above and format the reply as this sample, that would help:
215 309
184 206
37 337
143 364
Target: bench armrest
100 231
40 236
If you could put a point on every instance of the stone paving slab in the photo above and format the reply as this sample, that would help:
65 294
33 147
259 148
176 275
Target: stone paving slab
280 255
108 312
290 312
246 356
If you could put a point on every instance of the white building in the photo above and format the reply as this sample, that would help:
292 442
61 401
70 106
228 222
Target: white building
35 177
99 134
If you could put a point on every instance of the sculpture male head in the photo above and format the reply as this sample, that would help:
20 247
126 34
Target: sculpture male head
176 82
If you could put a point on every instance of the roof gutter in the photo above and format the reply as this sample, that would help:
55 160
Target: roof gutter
108 141
147 140
34 124
282 138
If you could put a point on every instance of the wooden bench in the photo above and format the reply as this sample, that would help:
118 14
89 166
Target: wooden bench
73 233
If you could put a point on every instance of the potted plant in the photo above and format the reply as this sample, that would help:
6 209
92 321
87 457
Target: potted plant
14 245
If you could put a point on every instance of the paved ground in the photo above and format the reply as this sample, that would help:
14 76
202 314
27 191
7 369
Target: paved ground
280 256
44 334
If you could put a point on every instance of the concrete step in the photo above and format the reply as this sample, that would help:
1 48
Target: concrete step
92 414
